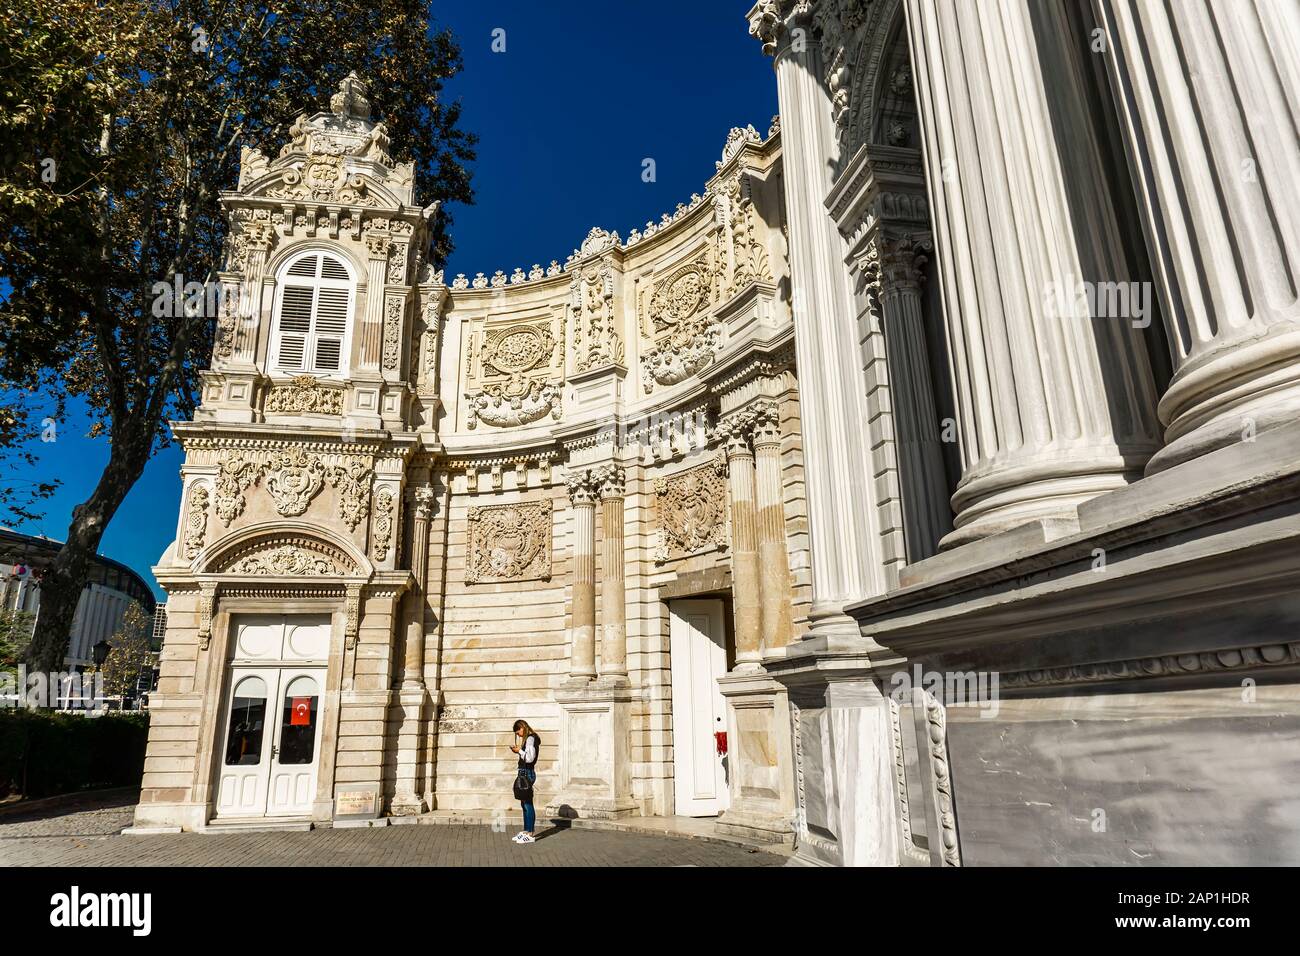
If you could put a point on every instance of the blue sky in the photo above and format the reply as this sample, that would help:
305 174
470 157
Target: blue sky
582 95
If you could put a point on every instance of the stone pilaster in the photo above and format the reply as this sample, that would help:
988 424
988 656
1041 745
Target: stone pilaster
613 599
372 323
745 600
773 559
412 696
1206 94
1055 396
583 491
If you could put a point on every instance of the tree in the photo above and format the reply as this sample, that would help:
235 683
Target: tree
129 651
144 106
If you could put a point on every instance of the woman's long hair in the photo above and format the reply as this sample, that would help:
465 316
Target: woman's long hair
524 726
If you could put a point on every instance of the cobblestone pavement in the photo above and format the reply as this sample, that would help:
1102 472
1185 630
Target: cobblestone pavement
87 835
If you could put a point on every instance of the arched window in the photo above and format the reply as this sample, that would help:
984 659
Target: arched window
312 315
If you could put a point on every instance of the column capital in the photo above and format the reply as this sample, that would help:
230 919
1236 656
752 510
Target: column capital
583 486
610 479
902 260
766 424
377 242
424 500
734 432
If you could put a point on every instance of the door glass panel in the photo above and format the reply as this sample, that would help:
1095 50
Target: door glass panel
247 723
298 729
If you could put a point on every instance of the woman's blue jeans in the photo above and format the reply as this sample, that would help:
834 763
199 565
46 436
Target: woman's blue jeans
530 815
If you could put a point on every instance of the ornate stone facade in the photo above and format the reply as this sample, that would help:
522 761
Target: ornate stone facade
852 415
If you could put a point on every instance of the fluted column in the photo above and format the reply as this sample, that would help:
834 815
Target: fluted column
372 324
896 280
1209 99
773 557
745 601
613 610
414 665
1055 400
844 548
583 491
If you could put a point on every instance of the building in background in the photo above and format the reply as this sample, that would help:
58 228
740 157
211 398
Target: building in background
110 588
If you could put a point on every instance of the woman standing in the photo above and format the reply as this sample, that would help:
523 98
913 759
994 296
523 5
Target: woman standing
526 746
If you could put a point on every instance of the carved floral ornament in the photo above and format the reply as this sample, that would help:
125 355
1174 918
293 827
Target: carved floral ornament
839 26
509 543
692 510
293 479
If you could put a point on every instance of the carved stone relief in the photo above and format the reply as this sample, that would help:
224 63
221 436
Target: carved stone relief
692 509
196 519
509 543
305 393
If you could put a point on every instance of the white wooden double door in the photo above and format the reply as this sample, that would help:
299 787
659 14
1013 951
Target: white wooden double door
270 749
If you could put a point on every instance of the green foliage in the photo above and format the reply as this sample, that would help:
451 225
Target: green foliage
139 109
129 651
43 753
15 633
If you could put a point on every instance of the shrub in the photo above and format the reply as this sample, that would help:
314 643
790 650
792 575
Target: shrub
43 753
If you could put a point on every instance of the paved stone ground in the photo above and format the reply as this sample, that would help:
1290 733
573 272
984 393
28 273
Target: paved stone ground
87 834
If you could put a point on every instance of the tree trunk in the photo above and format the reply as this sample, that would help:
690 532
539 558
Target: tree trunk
62 583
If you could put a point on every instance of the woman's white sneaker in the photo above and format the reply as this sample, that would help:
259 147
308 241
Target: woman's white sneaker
515 838
526 838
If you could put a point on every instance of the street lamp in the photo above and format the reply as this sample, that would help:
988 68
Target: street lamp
100 651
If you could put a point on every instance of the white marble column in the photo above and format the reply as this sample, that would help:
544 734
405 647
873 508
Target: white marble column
897 280
1055 405
1209 101
845 550
583 492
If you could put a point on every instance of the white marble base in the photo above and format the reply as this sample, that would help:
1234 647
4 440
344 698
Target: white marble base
761 762
595 751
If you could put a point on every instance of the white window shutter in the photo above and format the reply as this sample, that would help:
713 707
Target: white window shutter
314 312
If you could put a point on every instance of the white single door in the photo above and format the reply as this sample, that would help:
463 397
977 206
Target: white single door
699 658
270 750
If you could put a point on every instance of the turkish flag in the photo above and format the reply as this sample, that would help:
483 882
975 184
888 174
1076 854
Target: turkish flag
301 712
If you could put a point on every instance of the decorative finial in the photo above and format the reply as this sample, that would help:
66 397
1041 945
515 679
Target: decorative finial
351 99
